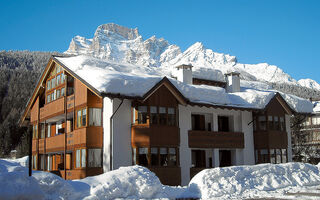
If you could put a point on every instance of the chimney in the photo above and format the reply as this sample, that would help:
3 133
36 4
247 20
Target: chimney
185 73
233 82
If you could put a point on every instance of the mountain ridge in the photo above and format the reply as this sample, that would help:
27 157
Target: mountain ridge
125 45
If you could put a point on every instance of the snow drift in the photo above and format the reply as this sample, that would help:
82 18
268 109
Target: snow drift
136 182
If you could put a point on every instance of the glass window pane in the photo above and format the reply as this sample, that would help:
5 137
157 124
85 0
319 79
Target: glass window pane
134 159
270 122
94 157
94 117
78 158
48 98
84 117
79 118
143 156
58 94
172 157
83 157
58 79
49 130
62 91
53 82
153 115
162 116
282 124
142 114
262 123
170 110
154 157
163 157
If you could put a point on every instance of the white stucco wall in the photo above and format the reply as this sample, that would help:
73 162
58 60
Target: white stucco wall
240 124
122 151
107 112
122 155
288 129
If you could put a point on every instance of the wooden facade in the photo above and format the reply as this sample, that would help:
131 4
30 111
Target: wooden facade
57 139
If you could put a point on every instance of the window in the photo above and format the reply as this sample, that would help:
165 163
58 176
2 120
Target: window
58 79
272 156
284 155
58 68
278 155
282 124
134 154
62 91
62 78
94 157
162 115
262 123
82 117
143 156
49 163
172 157
223 123
94 116
52 97
142 114
80 158
42 159
58 94
49 130
153 115
49 98
198 122
154 156
49 85
171 117
270 122
276 123
53 83
198 158
163 157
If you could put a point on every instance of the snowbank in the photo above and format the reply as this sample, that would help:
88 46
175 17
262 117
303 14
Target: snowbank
253 181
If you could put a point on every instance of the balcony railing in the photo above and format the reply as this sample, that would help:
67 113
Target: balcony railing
211 139
168 175
155 135
270 139
51 109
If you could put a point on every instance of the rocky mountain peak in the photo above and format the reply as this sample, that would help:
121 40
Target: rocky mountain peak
111 28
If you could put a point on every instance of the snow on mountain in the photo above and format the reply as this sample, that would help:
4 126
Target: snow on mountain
309 83
125 45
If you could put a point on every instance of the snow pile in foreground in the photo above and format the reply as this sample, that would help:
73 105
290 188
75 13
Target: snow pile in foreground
254 181
136 182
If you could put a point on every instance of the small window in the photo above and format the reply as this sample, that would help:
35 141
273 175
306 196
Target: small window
153 115
81 158
49 131
52 97
84 117
171 117
154 156
79 118
163 157
49 85
94 116
62 78
49 163
142 114
162 115
43 131
58 69
172 157
62 91
143 156
35 132
262 123
284 155
58 94
49 98
58 80
272 156
53 83
278 156
282 124
94 157
270 122
78 156
276 123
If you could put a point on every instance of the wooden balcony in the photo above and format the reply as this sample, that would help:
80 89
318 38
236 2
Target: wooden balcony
55 143
168 175
52 109
210 139
270 139
155 135
88 137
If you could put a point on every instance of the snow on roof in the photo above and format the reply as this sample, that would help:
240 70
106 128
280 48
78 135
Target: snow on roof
316 108
134 80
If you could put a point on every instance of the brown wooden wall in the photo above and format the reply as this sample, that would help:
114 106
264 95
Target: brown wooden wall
168 175
34 113
155 135
93 100
162 97
210 139
275 108
80 91
270 140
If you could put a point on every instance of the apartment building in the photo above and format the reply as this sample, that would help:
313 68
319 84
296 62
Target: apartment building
90 116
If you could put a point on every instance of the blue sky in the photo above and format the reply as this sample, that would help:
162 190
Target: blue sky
283 33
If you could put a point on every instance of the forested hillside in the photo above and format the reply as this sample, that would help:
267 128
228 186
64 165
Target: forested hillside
19 72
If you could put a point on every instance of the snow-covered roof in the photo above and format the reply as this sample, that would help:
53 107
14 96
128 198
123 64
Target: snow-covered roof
316 108
133 80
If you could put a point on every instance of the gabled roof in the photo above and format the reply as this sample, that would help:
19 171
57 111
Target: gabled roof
106 78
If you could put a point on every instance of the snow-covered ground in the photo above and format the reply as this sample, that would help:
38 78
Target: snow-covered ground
264 181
